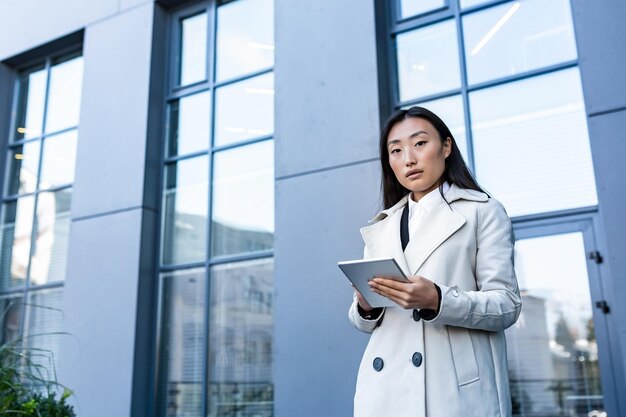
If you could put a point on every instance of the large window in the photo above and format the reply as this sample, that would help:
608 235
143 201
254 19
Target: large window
217 223
36 199
504 76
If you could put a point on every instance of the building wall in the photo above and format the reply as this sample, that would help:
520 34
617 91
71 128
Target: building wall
327 181
327 187
105 357
600 36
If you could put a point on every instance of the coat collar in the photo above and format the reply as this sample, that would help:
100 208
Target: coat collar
453 194
383 236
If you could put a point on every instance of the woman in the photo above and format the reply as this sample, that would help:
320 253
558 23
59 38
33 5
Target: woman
441 352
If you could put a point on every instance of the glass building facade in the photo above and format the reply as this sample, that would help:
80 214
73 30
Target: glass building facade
179 179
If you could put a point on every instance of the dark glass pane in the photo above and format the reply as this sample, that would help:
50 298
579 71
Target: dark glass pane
23 166
182 350
44 322
517 37
520 129
193 49
244 110
428 61
31 102
15 236
190 124
58 160
245 37
10 319
63 108
243 199
185 211
240 339
49 257
410 8
552 349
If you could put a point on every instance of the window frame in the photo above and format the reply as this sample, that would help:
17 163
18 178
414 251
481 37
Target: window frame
46 56
173 92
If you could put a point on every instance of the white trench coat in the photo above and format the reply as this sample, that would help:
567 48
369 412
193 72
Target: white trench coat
467 250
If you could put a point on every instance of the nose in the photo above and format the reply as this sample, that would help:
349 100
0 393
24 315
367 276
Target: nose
409 158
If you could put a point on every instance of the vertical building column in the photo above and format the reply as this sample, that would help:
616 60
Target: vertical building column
113 212
327 181
600 35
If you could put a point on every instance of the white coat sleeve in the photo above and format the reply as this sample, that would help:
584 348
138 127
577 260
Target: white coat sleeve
357 321
496 304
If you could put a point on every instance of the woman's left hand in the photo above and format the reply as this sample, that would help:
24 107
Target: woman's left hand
419 293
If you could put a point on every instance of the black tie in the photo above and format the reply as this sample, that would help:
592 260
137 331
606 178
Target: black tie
404 227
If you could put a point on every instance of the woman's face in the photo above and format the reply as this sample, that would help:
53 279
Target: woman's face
417 155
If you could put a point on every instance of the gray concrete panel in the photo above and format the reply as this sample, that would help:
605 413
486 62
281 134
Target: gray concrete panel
326 84
600 34
317 351
100 306
114 112
608 146
25 24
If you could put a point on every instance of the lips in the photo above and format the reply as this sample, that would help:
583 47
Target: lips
414 173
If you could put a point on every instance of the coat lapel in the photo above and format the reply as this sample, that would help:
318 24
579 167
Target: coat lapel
436 226
383 240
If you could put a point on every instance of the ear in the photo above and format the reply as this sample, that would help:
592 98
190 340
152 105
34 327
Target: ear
447 147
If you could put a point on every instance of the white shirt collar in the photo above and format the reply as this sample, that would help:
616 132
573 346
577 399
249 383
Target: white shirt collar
427 202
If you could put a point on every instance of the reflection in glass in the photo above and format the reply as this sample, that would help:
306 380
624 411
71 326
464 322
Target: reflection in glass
193 49
450 110
469 3
15 236
181 365
531 141
428 61
243 199
59 160
240 339
185 211
517 37
23 166
189 124
10 319
31 101
49 257
63 108
245 37
552 349
244 110
44 322
410 8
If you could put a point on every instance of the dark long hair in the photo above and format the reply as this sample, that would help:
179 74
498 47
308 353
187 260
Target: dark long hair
455 171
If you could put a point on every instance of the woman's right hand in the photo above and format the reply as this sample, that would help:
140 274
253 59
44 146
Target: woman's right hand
365 306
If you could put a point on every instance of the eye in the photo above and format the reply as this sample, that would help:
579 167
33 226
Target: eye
395 150
420 143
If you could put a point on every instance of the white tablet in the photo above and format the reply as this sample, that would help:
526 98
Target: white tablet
360 271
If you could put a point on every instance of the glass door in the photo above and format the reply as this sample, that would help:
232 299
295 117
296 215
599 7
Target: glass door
558 344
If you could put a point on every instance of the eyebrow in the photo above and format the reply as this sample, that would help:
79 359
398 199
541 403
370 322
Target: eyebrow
419 132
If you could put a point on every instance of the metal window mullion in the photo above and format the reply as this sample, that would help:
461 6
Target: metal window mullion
178 158
431 97
484 6
247 76
242 143
469 137
211 66
524 75
241 257
33 232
